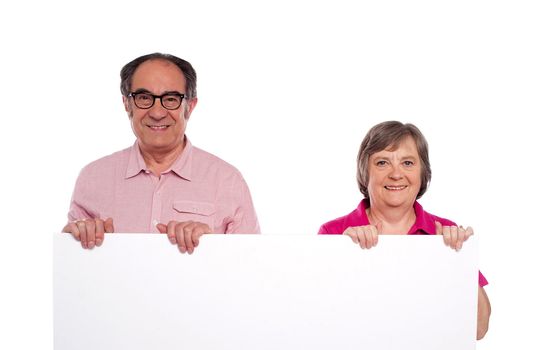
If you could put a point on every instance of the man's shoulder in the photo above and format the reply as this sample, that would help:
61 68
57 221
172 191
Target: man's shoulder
207 160
108 162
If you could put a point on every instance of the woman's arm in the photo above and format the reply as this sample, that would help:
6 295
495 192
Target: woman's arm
484 311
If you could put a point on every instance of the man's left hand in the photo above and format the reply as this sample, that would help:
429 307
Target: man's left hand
184 234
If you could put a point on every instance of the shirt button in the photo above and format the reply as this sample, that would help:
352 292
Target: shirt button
155 222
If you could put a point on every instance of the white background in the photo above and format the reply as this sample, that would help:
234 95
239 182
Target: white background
287 90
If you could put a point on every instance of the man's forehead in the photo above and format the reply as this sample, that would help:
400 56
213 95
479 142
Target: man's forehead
158 74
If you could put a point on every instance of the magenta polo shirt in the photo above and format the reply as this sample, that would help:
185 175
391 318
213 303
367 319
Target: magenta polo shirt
198 186
424 225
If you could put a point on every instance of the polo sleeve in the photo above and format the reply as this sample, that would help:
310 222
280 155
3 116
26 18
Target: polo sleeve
482 281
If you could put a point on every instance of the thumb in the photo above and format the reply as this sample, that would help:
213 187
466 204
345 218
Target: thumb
162 228
438 228
109 225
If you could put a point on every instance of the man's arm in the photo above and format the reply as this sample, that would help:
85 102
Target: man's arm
244 219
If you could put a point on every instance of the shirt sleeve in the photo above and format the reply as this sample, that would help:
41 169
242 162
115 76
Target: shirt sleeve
482 281
79 207
323 230
244 219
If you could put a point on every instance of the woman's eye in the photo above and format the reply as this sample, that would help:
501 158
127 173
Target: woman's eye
381 163
408 163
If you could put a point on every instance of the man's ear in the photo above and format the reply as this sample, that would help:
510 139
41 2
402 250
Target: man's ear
127 106
192 102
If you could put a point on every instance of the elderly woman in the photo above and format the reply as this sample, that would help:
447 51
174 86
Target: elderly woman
393 172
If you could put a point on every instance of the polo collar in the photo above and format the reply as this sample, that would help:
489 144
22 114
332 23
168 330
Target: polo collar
424 222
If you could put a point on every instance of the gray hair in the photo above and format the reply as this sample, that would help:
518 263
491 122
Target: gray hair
127 72
389 135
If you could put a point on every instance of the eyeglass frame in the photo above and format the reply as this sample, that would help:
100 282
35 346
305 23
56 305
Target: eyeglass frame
144 92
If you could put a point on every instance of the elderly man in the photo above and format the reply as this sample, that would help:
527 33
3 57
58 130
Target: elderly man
162 183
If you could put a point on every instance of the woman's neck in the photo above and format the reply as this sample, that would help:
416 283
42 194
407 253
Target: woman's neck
393 220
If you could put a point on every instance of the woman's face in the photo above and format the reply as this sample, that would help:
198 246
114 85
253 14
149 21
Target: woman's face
395 175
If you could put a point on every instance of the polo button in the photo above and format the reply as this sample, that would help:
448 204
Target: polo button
155 222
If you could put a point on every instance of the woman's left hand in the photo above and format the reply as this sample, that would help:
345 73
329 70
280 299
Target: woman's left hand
453 236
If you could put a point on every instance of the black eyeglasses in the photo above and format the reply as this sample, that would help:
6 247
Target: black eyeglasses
145 100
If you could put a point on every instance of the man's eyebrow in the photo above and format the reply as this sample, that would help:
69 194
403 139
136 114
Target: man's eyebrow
141 91
167 92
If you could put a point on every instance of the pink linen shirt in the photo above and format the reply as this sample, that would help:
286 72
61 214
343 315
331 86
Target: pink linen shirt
198 186
424 225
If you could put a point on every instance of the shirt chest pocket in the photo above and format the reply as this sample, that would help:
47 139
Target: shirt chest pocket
194 211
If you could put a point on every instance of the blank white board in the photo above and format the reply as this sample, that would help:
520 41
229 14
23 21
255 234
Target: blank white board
265 292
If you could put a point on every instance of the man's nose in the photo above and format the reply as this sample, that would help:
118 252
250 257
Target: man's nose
157 111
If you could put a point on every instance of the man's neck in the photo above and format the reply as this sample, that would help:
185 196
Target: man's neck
158 161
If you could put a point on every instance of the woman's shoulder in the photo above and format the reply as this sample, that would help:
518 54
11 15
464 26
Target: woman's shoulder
442 221
357 217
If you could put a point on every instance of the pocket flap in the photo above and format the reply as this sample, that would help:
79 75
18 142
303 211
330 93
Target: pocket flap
200 208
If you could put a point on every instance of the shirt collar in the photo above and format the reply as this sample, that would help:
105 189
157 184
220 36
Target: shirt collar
424 222
182 166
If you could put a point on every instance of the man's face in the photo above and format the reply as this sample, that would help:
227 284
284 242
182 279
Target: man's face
159 130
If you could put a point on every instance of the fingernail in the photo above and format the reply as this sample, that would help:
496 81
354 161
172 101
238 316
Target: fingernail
182 249
91 244
98 242
173 240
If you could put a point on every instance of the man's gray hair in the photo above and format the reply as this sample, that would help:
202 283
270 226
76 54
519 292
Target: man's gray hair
127 72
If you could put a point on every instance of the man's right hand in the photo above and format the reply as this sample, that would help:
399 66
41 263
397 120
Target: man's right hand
90 232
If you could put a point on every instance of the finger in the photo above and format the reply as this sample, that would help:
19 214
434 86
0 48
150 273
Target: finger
171 232
376 231
368 237
72 228
454 237
468 232
201 230
90 233
161 228
99 232
361 237
83 235
179 236
109 225
188 229
351 232
198 232
444 231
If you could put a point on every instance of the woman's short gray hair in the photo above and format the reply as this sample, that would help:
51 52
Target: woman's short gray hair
388 135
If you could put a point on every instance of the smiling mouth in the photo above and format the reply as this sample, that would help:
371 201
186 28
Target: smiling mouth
395 188
158 127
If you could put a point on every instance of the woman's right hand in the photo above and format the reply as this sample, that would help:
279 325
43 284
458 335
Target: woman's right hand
366 236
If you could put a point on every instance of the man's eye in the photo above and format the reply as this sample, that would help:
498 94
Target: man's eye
144 97
171 99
